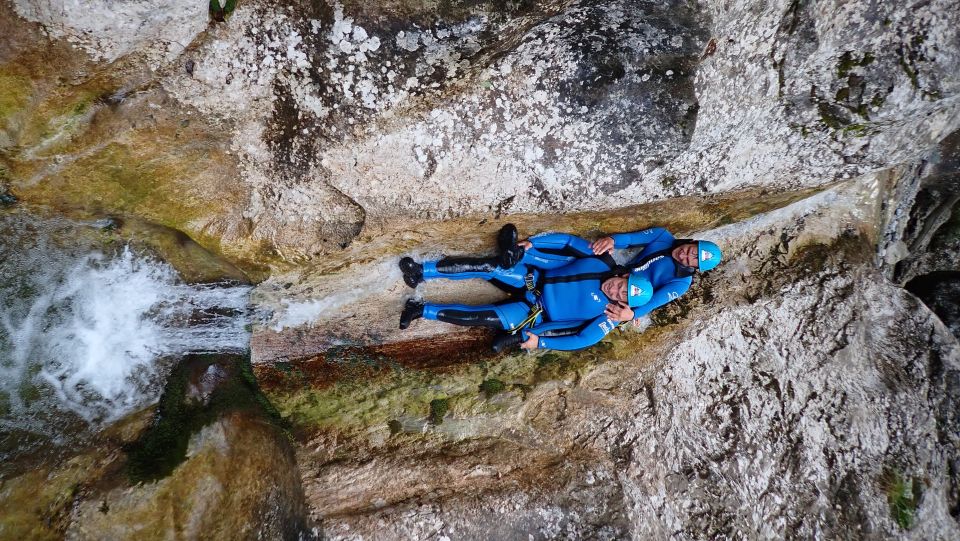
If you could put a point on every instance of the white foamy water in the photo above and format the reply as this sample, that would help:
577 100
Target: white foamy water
84 332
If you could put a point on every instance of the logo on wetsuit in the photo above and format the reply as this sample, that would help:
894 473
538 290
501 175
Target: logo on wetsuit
646 265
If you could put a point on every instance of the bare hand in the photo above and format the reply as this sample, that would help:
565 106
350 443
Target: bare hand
636 323
602 246
532 341
525 244
617 311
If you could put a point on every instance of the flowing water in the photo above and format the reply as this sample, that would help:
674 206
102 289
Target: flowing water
88 327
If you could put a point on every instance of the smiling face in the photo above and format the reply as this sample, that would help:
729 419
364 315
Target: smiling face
686 255
615 288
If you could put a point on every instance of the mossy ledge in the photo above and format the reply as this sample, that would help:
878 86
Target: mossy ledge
179 414
458 397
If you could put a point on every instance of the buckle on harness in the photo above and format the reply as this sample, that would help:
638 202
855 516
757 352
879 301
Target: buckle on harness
537 307
531 283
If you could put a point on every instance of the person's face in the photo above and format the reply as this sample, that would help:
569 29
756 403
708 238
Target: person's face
686 255
615 288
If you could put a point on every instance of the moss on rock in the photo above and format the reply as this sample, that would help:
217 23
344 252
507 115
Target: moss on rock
14 94
351 402
164 444
491 387
438 410
37 504
903 496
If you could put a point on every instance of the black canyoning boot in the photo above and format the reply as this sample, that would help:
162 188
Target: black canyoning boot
412 272
508 252
505 341
412 310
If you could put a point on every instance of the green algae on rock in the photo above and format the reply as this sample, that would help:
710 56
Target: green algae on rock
903 495
225 385
491 387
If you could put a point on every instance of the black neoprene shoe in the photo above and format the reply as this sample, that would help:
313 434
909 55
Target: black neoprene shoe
506 237
412 271
411 311
508 253
507 341
511 257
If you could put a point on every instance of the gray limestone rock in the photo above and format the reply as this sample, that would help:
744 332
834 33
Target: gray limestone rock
801 390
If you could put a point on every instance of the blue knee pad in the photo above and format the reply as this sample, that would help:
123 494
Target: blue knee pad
512 314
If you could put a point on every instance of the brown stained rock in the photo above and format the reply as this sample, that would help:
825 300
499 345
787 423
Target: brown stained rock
37 503
437 353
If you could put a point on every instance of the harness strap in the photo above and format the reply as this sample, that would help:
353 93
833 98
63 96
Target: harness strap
537 307
535 312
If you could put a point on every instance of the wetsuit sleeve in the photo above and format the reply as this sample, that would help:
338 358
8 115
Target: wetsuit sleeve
561 244
640 238
564 337
662 295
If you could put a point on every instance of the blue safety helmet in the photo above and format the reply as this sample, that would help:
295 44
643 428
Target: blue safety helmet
639 290
708 255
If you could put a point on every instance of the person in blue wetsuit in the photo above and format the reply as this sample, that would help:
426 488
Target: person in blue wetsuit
566 292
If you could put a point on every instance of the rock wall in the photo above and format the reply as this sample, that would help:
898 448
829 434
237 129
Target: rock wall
798 390
340 116
108 30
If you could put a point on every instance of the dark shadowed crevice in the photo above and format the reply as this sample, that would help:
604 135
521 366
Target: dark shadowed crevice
940 291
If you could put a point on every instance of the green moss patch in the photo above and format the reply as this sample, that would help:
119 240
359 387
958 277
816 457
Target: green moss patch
848 62
438 410
220 12
832 116
491 387
351 401
903 497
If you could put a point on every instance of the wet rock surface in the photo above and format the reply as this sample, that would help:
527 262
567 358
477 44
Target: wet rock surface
807 388
209 461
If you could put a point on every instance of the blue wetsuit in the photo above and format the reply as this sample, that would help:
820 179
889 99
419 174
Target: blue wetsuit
568 276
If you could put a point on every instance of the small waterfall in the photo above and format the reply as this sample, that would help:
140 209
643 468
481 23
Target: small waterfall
82 332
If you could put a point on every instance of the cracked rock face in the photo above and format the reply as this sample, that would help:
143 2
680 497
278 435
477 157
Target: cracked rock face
787 414
347 116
